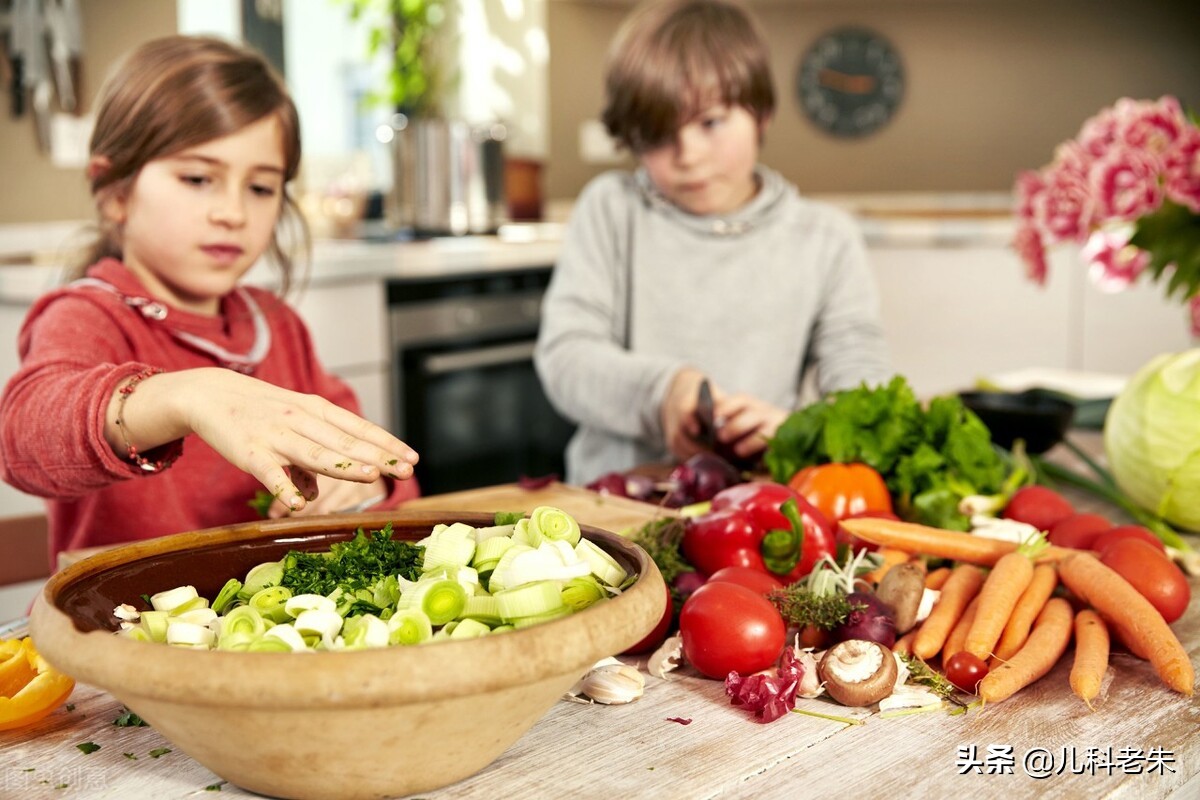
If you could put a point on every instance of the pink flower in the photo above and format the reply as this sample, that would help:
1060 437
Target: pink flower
1063 208
1113 263
1125 184
1099 132
1181 170
1029 185
1106 188
1032 252
1152 127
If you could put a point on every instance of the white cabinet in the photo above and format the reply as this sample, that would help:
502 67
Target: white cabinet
954 314
349 326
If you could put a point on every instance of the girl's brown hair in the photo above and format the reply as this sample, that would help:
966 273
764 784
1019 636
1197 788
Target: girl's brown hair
177 92
671 59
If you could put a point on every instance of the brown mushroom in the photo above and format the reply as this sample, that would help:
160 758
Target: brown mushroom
901 590
857 672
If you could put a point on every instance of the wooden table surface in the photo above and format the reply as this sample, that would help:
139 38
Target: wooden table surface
1143 741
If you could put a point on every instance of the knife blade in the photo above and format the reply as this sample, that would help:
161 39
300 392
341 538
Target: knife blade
705 416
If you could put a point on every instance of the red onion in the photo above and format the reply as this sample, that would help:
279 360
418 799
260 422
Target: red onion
873 623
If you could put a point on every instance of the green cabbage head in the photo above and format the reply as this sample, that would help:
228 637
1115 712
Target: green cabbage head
1152 438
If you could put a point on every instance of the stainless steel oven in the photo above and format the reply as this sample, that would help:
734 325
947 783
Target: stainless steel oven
466 394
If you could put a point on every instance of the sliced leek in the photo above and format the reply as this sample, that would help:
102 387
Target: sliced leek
472 582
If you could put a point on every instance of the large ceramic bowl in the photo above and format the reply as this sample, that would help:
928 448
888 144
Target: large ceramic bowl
394 720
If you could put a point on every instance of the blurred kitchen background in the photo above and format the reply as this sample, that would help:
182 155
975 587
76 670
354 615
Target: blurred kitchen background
443 326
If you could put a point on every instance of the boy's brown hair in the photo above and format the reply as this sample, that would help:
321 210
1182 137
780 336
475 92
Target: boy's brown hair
671 59
174 93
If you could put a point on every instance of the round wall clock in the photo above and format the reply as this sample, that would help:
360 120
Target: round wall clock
850 82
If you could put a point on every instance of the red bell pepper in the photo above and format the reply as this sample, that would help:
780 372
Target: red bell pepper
761 525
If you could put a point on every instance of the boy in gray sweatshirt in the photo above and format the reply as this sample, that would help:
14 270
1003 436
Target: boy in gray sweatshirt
701 264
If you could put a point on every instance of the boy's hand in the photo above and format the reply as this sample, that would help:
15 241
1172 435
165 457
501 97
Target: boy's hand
744 423
680 427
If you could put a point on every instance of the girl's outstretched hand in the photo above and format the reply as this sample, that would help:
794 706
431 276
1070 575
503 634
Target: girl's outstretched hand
272 433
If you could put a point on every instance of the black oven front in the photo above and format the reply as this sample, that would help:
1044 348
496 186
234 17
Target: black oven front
466 394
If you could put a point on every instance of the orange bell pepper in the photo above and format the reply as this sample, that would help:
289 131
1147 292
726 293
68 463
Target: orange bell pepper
840 490
29 687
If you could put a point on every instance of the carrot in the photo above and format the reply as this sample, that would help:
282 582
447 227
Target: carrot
958 634
903 645
960 588
1005 584
1142 627
1091 656
935 579
1041 651
891 557
1033 599
952 545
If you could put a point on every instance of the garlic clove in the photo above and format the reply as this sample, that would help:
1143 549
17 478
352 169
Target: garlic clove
667 657
614 685
609 682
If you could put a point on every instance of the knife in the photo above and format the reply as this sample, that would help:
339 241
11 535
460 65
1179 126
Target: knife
704 415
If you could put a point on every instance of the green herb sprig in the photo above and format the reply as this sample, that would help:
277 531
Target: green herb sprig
353 565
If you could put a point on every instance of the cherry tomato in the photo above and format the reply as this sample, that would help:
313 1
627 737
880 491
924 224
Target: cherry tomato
1038 506
754 579
1127 532
965 670
1078 530
655 637
1155 576
727 627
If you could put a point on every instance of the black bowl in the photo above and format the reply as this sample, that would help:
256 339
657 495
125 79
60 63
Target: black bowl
1040 420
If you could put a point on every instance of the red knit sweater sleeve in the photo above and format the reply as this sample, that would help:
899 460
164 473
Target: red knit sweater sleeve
53 410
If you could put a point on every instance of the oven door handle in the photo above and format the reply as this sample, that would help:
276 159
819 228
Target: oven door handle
482 357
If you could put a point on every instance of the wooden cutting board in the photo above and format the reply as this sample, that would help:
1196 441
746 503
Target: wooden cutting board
616 514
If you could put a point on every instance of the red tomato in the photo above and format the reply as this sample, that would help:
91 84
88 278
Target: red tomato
1154 575
1127 532
655 637
1078 530
840 490
1038 506
754 579
727 628
965 670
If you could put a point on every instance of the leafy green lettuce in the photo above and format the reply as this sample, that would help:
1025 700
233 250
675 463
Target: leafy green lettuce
930 456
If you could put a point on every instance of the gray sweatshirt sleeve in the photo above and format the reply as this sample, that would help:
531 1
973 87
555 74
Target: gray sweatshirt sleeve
581 358
848 344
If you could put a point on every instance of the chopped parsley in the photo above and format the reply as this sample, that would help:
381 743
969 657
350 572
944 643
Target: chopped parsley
128 719
342 465
214 787
130 756
88 747
353 565
159 751
70 707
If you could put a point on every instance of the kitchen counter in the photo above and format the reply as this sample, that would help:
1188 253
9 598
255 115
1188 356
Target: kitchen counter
683 739
346 261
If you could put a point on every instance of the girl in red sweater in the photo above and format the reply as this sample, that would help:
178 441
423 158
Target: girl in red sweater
156 394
